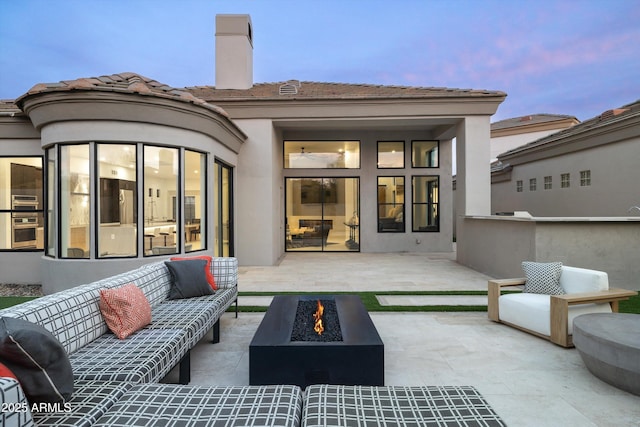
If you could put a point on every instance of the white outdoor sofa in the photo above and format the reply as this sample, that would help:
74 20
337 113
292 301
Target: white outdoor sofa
551 316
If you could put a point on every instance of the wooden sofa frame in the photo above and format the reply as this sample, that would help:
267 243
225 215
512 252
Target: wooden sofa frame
558 309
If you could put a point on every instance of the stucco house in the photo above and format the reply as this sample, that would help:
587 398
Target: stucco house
106 173
569 173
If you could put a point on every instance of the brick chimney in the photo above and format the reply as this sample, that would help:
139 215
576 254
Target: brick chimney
234 52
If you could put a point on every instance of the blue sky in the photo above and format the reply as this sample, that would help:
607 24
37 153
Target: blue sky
575 57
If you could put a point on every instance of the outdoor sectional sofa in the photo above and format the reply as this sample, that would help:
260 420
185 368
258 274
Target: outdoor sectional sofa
108 370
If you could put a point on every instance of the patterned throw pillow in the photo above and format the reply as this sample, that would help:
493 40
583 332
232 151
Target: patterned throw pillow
37 359
125 309
207 268
543 278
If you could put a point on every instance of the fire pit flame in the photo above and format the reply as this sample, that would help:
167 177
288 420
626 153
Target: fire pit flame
317 316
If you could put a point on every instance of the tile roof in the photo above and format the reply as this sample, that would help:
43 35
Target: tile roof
8 106
605 119
124 83
295 90
531 119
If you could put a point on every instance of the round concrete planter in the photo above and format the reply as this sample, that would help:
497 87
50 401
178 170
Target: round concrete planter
609 345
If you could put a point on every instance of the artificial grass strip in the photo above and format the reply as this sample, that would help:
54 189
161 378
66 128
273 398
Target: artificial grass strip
11 301
372 304
632 305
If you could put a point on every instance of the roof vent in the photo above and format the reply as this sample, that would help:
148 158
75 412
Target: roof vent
289 88
526 119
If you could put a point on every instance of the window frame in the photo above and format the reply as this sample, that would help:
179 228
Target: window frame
585 178
413 157
402 225
41 209
378 154
303 145
414 227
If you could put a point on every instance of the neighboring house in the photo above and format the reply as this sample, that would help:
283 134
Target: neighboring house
511 133
588 170
117 170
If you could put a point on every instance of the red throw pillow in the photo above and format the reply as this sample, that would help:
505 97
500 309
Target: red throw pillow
207 268
125 309
6 372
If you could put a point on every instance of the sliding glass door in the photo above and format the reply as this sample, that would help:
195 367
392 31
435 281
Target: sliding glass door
322 214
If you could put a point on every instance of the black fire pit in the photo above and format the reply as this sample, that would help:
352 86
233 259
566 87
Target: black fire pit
356 359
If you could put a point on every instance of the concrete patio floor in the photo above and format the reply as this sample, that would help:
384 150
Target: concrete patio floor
527 380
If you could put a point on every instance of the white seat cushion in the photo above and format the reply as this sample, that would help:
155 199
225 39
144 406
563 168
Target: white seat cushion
531 311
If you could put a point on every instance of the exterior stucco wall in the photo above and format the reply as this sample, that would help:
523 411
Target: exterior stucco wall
497 246
614 183
503 144
258 195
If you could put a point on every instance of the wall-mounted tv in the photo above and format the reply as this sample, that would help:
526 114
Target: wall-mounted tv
320 190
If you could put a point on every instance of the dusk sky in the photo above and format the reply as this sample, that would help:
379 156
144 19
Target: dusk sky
578 57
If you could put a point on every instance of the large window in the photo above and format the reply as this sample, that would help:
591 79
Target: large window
322 214
390 154
75 212
425 198
391 204
195 204
21 203
117 200
424 154
161 184
322 154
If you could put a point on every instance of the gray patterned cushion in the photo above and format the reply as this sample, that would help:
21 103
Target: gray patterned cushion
72 316
90 401
146 356
333 405
543 277
172 406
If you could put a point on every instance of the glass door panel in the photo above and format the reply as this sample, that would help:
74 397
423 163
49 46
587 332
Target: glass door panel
322 214
223 212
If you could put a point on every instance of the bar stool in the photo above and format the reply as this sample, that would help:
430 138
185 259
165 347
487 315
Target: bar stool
165 234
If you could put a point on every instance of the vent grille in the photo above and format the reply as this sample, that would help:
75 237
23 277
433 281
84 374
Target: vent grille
289 88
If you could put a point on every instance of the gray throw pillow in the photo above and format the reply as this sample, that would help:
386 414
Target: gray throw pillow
188 279
37 359
543 278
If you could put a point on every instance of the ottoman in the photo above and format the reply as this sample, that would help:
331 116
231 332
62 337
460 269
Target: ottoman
337 405
609 345
169 405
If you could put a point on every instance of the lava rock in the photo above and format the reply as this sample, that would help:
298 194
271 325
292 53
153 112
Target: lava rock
304 322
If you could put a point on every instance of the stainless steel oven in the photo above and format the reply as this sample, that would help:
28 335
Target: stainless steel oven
24 221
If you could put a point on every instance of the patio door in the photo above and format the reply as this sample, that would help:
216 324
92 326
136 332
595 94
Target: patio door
223 212
322 214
